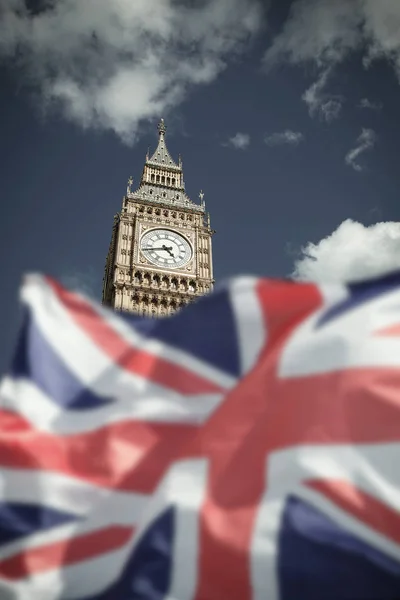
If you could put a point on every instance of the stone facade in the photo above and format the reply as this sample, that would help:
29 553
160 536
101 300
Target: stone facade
160 255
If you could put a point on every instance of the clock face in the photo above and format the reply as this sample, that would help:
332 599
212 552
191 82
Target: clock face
166 248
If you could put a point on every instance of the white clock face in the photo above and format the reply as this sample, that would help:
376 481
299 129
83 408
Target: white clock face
166 248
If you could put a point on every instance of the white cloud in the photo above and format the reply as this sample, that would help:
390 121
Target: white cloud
366 103
365 142
240 141
352 252
325 32
113 64
318 31
331 109
326 106
288 137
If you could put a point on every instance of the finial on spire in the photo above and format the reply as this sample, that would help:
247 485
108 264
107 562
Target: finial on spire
162 127
128 188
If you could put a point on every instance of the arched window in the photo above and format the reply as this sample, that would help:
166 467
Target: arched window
173 181
163 179
135 301
154 306
158 179
168 180
152 177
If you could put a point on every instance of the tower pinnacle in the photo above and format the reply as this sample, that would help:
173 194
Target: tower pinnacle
162 128
162 178
161 156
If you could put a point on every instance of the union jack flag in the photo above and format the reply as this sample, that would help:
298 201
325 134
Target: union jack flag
247 448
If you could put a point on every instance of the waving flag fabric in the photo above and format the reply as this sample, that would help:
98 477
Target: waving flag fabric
247 448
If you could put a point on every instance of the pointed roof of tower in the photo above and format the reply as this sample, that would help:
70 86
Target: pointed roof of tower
161 156
162 179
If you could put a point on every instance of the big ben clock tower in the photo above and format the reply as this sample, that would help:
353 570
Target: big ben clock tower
160 256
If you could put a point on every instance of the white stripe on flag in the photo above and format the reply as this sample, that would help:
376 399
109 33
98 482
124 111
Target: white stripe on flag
264 550
151 405
80 580
349 341
251 328
184 488
64 493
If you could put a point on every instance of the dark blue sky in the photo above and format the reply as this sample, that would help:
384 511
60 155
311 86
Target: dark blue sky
61 184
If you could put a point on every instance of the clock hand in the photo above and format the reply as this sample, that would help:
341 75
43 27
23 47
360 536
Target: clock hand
163 248
169 250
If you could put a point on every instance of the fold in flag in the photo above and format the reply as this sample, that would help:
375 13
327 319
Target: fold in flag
247 448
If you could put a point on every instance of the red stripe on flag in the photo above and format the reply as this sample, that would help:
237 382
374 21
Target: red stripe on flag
362 506
391 331
125 456
285 304
13 423
139 362
352 406
64 553
236 439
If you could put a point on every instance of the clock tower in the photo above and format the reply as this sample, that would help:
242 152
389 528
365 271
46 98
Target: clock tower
160 256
